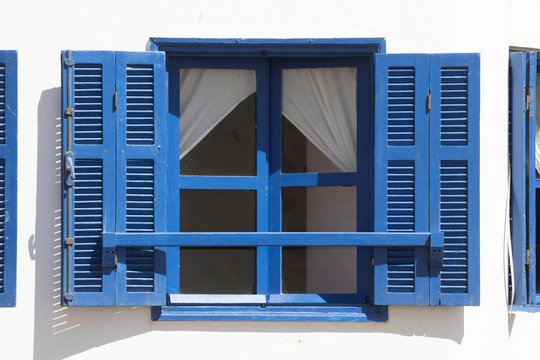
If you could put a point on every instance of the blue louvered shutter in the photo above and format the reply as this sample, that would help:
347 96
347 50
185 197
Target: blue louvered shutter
454 176
519 192
401 175
8 177
89 202
141 171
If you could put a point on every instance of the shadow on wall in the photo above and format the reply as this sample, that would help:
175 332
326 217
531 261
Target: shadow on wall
60 332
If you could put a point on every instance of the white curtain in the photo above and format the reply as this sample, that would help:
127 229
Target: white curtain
320 102
207 96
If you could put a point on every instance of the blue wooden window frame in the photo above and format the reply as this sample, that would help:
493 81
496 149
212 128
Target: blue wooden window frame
267 58
8 156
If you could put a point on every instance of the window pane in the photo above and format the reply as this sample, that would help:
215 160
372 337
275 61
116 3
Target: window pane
323 270
218 270
217 122
319 120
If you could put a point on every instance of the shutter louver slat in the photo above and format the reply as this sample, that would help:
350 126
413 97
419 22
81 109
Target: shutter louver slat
454 225
88 103
2 223
88 225
400 217
140 218
2 103
401 89
140 104
8 178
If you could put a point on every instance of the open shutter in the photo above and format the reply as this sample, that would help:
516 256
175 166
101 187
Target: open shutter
401 175
519 63
454 176
141 171
88 143
8 177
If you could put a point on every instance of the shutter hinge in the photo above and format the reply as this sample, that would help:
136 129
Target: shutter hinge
115 99
527 102
429 100
528 257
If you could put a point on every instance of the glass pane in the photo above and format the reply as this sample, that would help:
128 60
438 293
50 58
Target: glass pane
217 122
218 270
319 120
322 270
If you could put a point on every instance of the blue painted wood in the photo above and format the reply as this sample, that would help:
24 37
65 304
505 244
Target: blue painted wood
173 218
364 313
531 174
141 174
518 63
92 77
401 175
268 47
370 239
454 174
8 177
319 179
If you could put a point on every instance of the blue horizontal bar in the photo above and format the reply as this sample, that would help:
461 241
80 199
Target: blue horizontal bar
363 313
537 183
218 182
319 179
370 239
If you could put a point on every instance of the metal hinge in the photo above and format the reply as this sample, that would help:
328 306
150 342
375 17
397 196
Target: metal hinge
528 257
429 100
115 99
527 102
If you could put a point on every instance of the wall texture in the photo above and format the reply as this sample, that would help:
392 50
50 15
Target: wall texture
40 29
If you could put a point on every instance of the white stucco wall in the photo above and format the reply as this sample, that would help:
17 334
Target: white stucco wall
39 30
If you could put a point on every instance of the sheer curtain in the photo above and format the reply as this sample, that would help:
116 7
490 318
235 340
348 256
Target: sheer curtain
320 102
207 96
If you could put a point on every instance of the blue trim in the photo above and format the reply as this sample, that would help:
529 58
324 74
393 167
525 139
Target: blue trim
518 61
370 239
531 178
9 154
367 313
268 47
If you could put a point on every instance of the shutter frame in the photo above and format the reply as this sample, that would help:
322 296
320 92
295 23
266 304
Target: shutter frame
406 154
138 150
8 154
91 285
519 188
454 153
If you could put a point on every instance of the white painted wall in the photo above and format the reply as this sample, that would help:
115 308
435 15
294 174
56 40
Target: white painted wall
38 327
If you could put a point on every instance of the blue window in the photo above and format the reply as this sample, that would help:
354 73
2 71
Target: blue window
523 211
8 177
311 180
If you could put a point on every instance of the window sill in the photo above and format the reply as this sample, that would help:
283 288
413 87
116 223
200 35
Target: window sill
362 313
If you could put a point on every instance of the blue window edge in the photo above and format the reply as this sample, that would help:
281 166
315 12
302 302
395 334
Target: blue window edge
331 47
236 47
360 313
8 297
